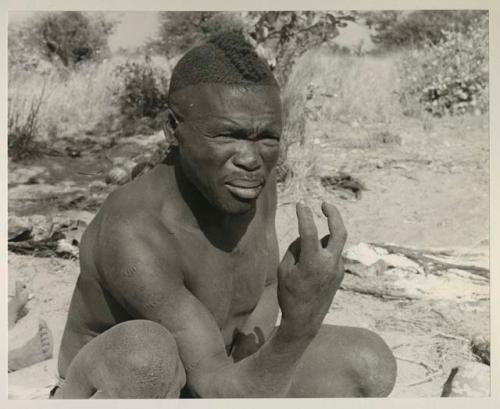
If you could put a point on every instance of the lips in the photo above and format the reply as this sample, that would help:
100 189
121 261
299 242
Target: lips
245 189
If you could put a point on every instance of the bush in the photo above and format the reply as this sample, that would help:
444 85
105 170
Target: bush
180 31
141 94
450 77
68 37
395 29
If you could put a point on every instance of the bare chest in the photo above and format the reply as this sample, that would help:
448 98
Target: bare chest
230 283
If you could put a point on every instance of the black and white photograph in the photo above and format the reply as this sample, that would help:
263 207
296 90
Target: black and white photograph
248 204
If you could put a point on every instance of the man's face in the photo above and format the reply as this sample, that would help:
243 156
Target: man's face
228 140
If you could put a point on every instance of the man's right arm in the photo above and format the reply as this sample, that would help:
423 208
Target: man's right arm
142 277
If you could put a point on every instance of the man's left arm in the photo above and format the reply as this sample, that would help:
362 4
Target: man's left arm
260 324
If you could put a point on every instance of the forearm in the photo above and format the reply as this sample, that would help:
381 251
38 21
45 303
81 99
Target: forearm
258 327
267 373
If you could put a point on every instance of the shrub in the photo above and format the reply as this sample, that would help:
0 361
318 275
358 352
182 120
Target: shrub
23 126
417 28
68 37
180 31
141 95
450 77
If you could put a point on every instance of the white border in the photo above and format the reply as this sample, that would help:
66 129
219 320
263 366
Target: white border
144 5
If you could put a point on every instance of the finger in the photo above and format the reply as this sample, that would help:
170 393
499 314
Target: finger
292 254
338 232
307 230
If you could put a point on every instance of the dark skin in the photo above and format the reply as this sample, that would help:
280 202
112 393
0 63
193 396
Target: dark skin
181 283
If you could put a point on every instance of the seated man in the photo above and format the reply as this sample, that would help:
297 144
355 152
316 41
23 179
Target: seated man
180 281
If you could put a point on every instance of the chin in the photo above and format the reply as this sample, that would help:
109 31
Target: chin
237 207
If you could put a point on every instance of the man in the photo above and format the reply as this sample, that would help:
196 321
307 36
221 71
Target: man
180 281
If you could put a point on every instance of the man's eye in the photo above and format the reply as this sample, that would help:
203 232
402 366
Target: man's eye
269 139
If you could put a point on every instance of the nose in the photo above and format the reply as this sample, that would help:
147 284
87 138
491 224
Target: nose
247 157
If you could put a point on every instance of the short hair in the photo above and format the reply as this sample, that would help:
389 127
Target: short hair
226 58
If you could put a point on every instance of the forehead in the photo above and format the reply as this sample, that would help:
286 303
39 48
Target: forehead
203 101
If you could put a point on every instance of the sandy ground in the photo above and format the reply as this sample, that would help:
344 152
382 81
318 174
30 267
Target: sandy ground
430 191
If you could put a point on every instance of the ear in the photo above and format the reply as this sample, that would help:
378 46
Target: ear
169 126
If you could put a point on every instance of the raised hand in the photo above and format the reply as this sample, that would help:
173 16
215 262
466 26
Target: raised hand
311 272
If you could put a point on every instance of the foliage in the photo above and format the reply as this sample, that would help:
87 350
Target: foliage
23 129
180 31
396 28
68 37
141 94
450 77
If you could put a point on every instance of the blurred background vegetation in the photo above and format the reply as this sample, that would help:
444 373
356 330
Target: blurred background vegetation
64 82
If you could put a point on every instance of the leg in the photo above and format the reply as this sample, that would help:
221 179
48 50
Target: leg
37 349
134 359
345 362
17 303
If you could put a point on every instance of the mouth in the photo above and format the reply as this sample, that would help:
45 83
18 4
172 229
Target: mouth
245 189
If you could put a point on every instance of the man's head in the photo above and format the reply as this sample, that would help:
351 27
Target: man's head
226 114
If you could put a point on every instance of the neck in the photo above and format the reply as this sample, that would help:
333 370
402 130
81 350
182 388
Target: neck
224 230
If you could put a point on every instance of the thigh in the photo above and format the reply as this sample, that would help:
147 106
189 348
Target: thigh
345 362
134 359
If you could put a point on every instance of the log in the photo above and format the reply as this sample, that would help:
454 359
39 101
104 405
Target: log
431 264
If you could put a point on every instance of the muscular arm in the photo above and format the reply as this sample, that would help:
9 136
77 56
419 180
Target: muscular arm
140 274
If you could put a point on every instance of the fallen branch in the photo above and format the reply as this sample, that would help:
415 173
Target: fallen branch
375 291
426 379
425 365
431 264
445 335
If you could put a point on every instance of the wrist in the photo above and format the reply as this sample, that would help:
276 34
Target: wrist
291 332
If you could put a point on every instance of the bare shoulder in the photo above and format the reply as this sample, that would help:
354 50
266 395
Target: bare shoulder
130 229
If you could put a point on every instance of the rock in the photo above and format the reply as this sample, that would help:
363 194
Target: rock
368 255
41 191
46 236
468 380
26 175
65 248
363 253
125 163
480 346
97 185
117 176
40 227
360 270
19 229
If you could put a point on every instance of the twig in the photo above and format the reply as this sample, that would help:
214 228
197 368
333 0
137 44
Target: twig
426 379
445 335
376 292
90 173
427 366
440 314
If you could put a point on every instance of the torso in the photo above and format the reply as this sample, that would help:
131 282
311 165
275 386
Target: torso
230 292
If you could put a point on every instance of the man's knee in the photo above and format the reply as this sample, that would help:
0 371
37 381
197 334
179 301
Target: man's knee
374 365
141 361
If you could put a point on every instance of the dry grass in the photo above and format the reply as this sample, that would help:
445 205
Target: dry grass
75 103
347 99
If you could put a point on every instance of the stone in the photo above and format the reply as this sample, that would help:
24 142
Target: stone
480 346
19 229
117 176
65 248
97 185
368 255
468 380
26 175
